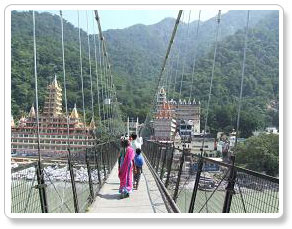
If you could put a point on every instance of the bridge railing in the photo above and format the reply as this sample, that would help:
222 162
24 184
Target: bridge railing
24 195
204 185
65 185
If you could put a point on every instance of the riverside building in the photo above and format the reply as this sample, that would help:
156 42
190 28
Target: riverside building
171 117
53 129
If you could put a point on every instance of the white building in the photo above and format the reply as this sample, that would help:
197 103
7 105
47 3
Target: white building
185 112
164 129
272 130
196 144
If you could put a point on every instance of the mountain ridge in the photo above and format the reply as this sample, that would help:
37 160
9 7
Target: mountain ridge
136 54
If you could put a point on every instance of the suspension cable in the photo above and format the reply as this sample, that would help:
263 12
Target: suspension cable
107 87
195 55
102 63
90 75
211 81
36 87
163 65
242 77
64 76
177 64
172 74
105 83
169 48
184 59
67 116
81 72
168 75
101 79
96 72
167 78
108 80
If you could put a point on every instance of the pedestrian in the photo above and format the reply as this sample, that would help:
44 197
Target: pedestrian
126 170
135 143
122 153
138 163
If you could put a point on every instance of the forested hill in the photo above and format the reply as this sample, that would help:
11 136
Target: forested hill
136 54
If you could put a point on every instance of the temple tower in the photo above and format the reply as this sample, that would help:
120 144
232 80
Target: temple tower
53 102
161 96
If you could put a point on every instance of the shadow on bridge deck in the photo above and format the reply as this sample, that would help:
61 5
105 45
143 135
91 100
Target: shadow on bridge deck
147 199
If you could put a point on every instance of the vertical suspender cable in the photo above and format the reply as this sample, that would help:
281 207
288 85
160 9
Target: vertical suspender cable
36 88
76 207
242 77
106 85
96 72
105 82
176 73
81 73
167 77
195 55
168 51
109 87
111 95
90 76
64 76
149 114
106 64
101 80
169 74
211 81
40 174
177 63
104 78
184 59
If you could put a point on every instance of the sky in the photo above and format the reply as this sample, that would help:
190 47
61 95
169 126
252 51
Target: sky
120 19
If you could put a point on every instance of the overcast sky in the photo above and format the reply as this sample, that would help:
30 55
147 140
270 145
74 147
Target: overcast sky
120 19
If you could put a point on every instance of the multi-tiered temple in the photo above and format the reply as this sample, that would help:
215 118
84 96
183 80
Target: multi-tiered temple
53 128
182 117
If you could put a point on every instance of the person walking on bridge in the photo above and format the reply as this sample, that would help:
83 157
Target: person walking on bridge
138 163
136 142
126 171
122 153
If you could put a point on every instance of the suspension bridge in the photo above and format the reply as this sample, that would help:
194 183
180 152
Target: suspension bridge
174 180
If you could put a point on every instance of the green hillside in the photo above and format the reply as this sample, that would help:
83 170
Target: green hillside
136 54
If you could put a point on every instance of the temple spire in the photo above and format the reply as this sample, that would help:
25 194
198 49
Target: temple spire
12 122
53 102
32 112
74 113
92 124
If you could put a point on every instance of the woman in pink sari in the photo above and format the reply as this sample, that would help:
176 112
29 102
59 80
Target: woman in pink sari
126 171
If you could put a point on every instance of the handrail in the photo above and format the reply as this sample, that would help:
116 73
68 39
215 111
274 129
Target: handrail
162 189
250 172
93 166
241 187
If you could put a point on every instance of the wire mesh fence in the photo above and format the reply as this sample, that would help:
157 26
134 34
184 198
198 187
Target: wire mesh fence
204 185
70 184
255 193
24 196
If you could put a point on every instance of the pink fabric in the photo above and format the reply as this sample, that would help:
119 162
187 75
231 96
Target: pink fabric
126 171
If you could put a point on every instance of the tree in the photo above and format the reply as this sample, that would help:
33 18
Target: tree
260 153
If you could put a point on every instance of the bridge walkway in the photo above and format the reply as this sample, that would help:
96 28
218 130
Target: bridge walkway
147 199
